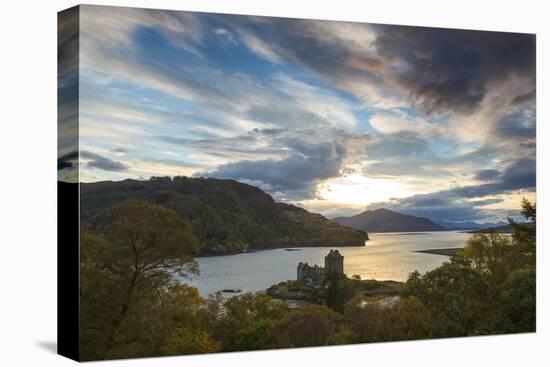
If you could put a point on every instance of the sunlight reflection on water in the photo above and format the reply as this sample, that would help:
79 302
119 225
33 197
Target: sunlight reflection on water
386 256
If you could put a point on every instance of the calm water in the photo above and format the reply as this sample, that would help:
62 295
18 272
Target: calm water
387 256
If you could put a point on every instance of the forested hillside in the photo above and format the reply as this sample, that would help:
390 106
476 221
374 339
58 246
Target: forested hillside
226 216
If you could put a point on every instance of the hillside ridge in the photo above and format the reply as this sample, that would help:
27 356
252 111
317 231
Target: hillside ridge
227 216
385 220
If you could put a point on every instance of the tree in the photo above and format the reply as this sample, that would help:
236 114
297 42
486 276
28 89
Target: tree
386 319
519 300
493 255
339 290
187 341
457 295
310 325
488 288
247 322
529 210
524 236
125 265
519 289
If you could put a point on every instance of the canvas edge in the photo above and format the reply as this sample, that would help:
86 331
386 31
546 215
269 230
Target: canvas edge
68 233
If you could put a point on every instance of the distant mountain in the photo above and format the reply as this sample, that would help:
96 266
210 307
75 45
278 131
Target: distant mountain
385 220
226 215
506 228
468 225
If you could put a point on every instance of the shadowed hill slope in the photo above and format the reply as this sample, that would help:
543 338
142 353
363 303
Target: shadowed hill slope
385 220
226 215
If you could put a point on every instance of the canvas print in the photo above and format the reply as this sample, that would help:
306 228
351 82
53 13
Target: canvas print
237 183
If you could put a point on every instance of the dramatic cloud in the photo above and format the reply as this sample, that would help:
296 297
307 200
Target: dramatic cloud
67 95
307 158
443 120
450 69
517 126
296 174
407 155
438 69
396 122
487 174
403 144
97 161
68 160
91 160
463 203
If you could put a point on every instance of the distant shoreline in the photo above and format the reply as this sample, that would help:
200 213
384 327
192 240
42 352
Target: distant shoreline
442 251
288 249
402 233
298 248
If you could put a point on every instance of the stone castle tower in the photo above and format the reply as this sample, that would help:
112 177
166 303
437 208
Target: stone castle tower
334 263
314 275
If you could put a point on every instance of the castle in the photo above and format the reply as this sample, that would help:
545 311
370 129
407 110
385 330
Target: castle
314 275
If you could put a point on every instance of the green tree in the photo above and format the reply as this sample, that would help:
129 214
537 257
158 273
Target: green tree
493 255
488 288
386 319
310 325
339 290
184 340
457 296
524 236
246 322
125 265
519 300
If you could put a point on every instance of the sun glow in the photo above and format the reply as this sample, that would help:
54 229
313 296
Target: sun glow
362 190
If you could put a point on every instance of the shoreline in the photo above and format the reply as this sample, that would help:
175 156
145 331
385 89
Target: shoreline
409 233
441 251
289 249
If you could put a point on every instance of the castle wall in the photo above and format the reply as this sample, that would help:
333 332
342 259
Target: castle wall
314 275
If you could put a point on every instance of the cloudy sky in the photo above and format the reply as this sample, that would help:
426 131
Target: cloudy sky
334 116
